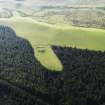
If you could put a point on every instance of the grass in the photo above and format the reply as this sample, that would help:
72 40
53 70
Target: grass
45 34
47 58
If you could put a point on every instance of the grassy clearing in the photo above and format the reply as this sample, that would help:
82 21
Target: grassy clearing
43 33
62 35
47 58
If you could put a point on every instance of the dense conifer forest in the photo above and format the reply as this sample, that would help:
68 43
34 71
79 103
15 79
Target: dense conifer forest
24 81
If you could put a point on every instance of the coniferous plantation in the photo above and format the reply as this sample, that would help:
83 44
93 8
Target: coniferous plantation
24 81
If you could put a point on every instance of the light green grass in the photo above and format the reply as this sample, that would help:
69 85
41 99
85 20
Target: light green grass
62 35
47 58
42 33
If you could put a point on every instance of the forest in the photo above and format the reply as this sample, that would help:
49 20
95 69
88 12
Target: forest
24 81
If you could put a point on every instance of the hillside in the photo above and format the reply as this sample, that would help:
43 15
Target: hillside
62 2
76 16
43 35
47 34
23 80
52 52
83 72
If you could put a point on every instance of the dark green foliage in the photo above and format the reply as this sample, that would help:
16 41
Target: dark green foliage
84 75
19 68
24 81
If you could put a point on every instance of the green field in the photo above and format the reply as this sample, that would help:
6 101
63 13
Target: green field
42 36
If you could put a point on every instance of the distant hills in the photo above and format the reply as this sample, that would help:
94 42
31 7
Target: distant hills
56 2
66 2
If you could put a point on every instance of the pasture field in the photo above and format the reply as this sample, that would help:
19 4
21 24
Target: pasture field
39 33
47 58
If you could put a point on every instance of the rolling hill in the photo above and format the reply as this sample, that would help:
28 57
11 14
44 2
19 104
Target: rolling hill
42 35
